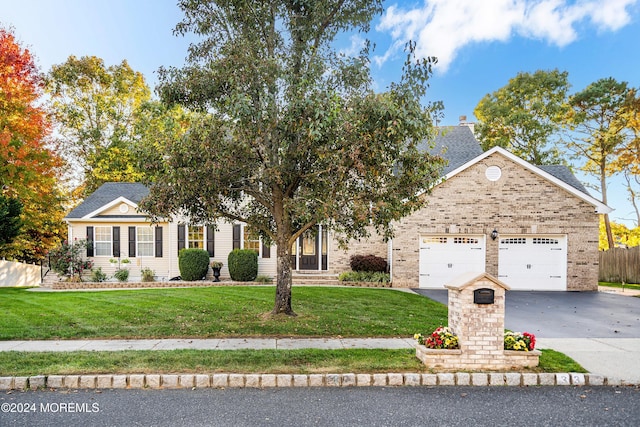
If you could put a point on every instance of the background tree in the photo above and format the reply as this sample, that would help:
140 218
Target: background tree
291 134
524 115
29 168
96 110
622 235
627 160
10 223
598 132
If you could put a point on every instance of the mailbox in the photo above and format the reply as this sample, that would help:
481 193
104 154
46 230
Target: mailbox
483 296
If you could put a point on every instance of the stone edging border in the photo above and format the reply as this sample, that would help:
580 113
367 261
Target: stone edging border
224 380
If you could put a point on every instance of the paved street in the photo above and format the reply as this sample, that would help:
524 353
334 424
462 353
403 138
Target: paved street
370 406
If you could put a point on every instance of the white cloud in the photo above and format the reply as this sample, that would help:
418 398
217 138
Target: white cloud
442 27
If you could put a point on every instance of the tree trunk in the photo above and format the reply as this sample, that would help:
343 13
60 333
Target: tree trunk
633 195
283 284
607 224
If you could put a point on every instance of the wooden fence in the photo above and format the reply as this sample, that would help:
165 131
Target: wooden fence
619 264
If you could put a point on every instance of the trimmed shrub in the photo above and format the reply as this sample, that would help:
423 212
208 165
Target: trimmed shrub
368 263
193 264
243 265
122 275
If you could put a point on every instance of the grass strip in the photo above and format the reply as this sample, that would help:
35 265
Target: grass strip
304 361
619 285
215 312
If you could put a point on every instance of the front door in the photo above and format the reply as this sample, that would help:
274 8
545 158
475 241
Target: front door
308 251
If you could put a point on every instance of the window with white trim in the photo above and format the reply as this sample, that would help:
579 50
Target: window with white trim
102 240
251 241
144 241
196 236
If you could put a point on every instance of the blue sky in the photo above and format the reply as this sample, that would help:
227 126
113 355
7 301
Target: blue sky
480 44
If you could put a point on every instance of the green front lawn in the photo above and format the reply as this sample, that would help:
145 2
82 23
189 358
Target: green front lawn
238 361
215 312
221 312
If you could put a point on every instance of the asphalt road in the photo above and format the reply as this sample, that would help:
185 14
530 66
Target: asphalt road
371 406
566 314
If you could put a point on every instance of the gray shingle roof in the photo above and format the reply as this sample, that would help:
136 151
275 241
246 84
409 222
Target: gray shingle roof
563 173
456 144
107 193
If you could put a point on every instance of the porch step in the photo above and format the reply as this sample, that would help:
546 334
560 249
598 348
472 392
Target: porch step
314 278
51 278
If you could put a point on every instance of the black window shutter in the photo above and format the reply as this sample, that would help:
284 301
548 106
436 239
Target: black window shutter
181 236
89 241
210 241
158 242
132 242
236 236
266 251
116 242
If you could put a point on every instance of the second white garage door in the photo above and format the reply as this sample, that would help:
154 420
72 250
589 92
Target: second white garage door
533 262
443 258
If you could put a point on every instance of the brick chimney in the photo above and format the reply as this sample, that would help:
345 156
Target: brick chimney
464 122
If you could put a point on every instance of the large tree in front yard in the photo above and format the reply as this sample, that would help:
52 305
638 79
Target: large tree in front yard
291 133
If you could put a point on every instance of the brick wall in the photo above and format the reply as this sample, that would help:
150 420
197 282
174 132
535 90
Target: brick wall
339 257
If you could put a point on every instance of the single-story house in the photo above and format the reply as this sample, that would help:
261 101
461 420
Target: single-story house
533 227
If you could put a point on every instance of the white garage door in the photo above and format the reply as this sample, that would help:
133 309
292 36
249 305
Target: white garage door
443 258
533 262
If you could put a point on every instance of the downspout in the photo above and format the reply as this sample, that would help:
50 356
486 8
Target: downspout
390 260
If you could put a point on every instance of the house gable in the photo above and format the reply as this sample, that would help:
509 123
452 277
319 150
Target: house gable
106 201
118 208
553 174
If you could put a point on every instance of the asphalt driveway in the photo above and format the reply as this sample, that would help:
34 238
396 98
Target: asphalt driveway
566 314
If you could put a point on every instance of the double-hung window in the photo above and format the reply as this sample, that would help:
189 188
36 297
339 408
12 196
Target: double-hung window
102 241
145 241
196 236
251 241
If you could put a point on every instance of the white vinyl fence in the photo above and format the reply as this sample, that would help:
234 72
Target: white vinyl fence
19 274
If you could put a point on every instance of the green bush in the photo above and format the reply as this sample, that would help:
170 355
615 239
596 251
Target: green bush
364 276
368 263
147 274
193 264
122 275
243 265
97 275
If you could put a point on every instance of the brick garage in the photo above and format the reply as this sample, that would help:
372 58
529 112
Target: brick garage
498 191
545 222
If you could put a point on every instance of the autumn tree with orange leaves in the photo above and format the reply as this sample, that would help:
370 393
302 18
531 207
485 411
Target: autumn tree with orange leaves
28 167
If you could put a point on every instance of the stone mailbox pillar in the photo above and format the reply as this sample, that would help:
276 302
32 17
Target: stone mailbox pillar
479 326
476 316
